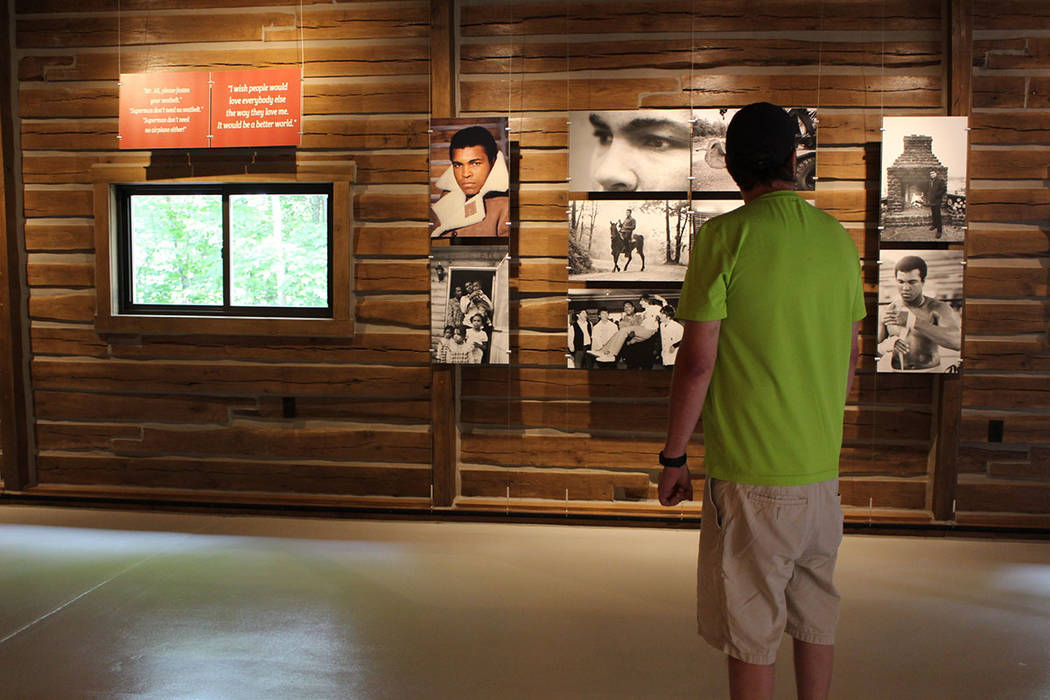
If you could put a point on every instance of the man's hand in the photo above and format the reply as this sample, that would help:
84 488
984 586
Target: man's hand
895 317
675 486
902 347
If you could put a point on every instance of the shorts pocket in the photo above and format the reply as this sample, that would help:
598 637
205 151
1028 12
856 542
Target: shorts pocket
713 485
768 499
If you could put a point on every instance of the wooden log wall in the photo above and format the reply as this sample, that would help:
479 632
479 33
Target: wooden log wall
537 431
267 419
1006 480
193 416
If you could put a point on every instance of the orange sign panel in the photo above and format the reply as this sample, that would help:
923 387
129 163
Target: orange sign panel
201 109
256 107
164 110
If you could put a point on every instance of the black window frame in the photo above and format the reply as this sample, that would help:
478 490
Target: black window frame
123 194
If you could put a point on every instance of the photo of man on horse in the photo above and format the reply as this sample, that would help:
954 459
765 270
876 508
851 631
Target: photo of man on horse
624 241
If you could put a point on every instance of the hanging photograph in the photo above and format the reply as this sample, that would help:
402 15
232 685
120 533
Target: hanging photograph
920 311
622 329
469 306
629 240
469 178
709 152
639 150
923 179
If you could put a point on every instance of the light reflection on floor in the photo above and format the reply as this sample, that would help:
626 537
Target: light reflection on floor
155 605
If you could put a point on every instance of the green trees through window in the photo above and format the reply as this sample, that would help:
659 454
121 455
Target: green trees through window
277 239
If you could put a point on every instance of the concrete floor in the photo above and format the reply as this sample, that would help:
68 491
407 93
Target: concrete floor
109 604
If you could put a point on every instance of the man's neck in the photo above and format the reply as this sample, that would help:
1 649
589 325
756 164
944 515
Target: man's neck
765 188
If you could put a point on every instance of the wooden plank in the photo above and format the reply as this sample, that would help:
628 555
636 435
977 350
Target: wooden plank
148 29
1003 497
540 276
540 131
401 276
948 406
1023 390
883 493
101 6
1006 317
348 59
233 475
1010 128
412 411
225 377
703 53
64 236
974 459
651 416
385 206
365 96
16 470
373 20
445 435
1018 353
554 484
60 271
49 305
260 440
1002 53
1030 241
1011 14
1019 429
1018 163
703 90
550 241
376 131
370 347
958 45
58 202
388 240
1007 278
411 311
999 91
70 134
645 16
543 166
81 436
74 406
1011 205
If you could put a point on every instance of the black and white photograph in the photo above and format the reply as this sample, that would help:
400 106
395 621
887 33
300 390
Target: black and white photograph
629 240
709 154
469 305
622 329
923 196
639 150
920 311
470 179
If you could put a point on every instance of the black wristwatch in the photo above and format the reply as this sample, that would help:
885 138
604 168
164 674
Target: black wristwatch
673 463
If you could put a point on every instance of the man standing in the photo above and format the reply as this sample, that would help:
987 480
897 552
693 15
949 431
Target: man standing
771 305
935 194
919 325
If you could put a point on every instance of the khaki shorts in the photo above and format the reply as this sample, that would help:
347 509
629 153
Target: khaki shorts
767 555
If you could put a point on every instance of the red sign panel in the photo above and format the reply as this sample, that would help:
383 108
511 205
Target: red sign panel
247 108
256 108
164 110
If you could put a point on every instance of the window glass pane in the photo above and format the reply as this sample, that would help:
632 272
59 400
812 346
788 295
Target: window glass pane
280 250
176 249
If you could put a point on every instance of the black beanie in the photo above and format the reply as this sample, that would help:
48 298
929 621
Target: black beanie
760 136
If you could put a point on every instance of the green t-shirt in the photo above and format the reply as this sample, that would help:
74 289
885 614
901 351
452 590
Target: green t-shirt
784 278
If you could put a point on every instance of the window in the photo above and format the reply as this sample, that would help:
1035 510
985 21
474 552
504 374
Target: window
248 255
225 250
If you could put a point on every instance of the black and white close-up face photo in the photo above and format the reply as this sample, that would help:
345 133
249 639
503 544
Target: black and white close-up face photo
642 150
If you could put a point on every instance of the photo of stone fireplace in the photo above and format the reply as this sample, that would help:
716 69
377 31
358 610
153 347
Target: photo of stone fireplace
923 179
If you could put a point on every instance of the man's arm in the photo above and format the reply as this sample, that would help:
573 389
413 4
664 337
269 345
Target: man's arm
946 332
693 368
854 353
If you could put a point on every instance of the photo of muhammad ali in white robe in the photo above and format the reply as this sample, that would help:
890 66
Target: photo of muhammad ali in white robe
472 190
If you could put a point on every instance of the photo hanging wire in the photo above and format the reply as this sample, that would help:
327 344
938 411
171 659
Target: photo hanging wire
302 67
